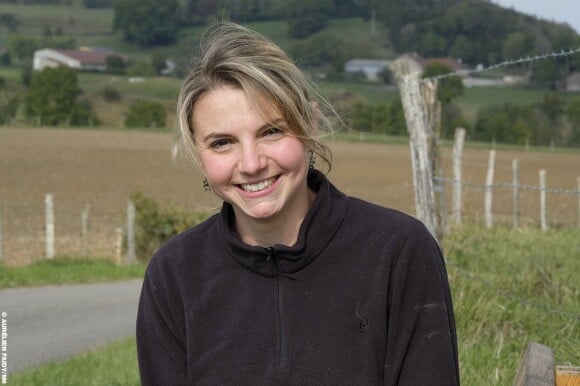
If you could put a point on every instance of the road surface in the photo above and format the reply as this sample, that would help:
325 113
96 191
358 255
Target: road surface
55 322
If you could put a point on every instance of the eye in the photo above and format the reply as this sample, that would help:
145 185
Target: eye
272 131
219 143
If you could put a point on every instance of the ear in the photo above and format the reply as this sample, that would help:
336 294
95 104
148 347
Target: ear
315 117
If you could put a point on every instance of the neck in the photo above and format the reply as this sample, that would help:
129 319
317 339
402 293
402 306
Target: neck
282 230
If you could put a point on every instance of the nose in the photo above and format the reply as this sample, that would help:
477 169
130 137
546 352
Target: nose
251 159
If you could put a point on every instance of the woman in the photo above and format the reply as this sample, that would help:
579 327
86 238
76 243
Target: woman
293 282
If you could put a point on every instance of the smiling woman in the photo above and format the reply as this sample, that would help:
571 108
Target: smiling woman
293 282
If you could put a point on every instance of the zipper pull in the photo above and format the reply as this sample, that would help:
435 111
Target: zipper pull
270 251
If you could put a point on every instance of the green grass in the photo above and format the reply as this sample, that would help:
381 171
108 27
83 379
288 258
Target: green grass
67 270
76 20
114 364
510 288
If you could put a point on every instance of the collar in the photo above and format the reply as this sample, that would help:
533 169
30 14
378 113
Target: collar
318 228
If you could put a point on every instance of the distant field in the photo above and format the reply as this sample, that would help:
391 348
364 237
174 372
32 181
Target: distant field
75 20
102 168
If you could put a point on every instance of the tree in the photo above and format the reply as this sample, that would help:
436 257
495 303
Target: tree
52 98
147 22
146 113
573 113
548 74
306 17
450 87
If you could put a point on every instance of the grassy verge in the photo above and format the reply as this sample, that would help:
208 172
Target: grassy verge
509 288
67 270
115 364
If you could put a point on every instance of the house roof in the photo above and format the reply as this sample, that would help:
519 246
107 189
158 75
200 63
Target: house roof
90 57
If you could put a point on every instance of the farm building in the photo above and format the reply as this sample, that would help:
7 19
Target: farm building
370 67
84 60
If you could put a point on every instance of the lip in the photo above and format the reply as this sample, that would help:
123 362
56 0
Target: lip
259 193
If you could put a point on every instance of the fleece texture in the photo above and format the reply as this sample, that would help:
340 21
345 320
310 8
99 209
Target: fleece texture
362 298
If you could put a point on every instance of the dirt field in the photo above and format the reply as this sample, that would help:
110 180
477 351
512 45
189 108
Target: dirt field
102 168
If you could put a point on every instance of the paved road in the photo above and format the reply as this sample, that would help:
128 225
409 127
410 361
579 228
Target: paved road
54 322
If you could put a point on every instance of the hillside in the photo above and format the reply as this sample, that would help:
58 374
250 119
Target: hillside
321 36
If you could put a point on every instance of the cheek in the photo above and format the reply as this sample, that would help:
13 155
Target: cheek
217 169
291 155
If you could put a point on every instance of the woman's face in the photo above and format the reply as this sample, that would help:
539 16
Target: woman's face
258 167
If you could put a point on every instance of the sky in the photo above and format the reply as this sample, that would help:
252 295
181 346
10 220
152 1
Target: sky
563 11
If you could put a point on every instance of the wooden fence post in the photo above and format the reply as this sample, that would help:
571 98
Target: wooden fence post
543 222
118 245
488 190
85 219
536 367
49 225
457 188
130 232
516 193
417 125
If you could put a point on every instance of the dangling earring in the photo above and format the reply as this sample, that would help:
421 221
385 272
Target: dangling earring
206 186
311 160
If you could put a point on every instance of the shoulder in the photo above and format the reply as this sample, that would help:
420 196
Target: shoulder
367 214
183 249
396 231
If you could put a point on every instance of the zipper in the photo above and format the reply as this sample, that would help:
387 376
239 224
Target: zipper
282 336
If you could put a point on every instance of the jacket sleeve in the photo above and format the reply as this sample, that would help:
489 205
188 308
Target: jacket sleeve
421 335
161 346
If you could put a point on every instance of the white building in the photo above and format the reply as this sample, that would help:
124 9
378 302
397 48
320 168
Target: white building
370 67
87 60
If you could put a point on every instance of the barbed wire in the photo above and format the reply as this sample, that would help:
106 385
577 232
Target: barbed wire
511 296
571 192
511 62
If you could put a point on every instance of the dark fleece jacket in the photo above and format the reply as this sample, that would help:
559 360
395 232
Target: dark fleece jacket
361 299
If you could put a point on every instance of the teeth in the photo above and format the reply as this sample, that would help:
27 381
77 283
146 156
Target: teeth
259 186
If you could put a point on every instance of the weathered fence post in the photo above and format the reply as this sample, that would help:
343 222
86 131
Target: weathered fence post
49 225
417 125
457 188
130 232
488 190
118 245
516 193
85 219
536 367
543 222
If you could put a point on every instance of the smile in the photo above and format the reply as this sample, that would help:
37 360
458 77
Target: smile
259 185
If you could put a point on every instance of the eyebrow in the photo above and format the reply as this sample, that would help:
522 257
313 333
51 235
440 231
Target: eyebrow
264 126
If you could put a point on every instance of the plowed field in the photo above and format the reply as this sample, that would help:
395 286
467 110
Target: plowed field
102 168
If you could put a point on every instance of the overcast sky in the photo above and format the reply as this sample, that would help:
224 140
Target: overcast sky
564 11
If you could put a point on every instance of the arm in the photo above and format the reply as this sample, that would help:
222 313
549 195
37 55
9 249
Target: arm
421 337
161 347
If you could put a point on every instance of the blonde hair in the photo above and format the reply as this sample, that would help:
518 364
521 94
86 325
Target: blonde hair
236 56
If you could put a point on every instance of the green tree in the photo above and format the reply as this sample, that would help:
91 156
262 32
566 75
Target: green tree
115 64
146 113
306 17
52 96
548 74
573 114
147 22
450 87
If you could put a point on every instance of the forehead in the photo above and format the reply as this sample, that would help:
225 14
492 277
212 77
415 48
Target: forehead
227 105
